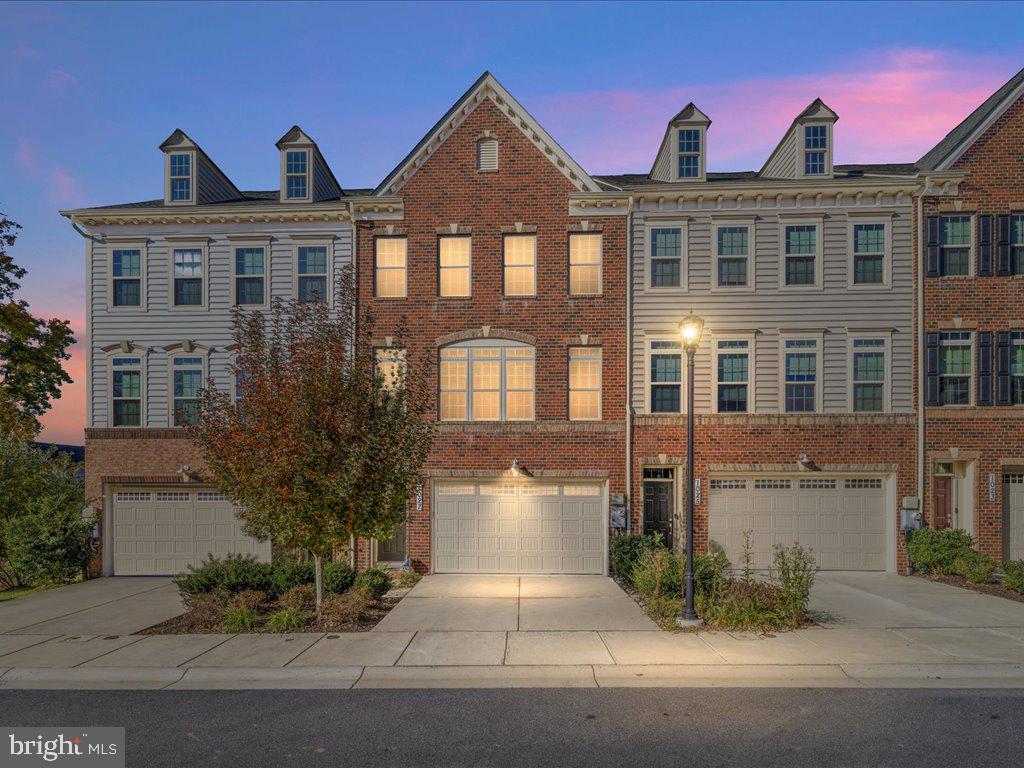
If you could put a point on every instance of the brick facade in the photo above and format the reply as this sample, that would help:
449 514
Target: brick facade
990 439
528 190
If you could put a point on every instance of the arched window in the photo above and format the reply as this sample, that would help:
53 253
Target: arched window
487 380
487 154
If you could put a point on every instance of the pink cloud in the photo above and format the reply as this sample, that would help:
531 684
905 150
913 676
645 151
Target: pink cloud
25 157
62 188
60 81
64 422
893 106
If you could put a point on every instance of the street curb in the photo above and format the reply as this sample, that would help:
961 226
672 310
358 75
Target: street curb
226 678
578 676
90 677
723 676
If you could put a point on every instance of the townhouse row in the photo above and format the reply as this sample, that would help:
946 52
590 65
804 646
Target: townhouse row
861 369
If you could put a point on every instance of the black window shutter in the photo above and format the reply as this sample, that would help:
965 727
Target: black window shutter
1003 257
931 396
985 368
932 251
984 246
1003 368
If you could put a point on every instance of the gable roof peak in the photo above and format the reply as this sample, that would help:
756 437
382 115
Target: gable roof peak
177 139
294 135
818 110
691 113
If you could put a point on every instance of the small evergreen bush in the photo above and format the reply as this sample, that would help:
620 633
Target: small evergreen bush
375 580
975 567
286 620
934 551
627 551
239 619
1013 575
338 578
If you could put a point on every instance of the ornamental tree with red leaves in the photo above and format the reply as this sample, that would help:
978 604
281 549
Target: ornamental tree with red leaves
318 443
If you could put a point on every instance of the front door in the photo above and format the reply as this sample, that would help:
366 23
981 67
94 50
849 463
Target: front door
392 550
942 502
659 510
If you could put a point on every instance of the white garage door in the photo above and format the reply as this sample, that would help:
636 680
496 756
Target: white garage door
842 519
158 531
535 527
1014 490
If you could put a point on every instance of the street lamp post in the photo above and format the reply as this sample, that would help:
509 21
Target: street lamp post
690 330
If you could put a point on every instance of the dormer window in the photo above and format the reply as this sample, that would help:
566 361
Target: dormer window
815 150
689 153
297 174
180 177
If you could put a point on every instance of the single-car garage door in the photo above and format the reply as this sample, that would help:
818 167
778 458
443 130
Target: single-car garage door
1013 490
158 531
842 519
520 527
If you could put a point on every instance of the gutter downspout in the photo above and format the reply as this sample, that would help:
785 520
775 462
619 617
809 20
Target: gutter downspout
629 366
921 375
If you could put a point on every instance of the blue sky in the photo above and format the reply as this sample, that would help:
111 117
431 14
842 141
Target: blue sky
90 90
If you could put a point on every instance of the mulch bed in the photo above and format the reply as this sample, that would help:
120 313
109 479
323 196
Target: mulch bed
996 589
185 625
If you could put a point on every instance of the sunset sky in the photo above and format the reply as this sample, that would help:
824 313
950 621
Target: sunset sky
88 92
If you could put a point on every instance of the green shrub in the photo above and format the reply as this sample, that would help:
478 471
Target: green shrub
338 577
49 547
239 619
793 573
708 571
375 580
934 551
1013 575
975 567
233 574
627 551
753 606
658 573
291 572
286 620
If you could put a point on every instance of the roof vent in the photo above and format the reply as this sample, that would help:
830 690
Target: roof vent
487 154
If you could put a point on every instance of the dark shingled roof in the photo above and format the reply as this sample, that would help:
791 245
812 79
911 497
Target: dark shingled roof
954 138
254 198
631 180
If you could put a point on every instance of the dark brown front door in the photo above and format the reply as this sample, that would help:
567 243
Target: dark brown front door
392 550
942 502
658 509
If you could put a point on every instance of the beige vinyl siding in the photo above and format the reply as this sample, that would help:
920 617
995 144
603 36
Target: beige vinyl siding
834 310
783 164
159 326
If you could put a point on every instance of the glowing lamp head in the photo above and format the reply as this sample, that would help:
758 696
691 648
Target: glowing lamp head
690 330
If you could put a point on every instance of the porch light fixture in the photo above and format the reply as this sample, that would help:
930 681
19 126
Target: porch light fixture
690 329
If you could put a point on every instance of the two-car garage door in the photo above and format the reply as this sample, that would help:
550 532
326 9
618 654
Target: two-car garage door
520 527
842 519
159 531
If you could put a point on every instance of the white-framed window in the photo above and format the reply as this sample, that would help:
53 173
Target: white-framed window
869 366
801 255
250 275
1017 368
188 276
733 372
869 246
664 376
127 276
584 383
733 244
956 367
585 263
391 367
487 154
956 245
491 380
188 372
1017 244
127 391
296 174
801 374
312 272
689 141
390 267
816 139
454 266
519 254
666 247
180 178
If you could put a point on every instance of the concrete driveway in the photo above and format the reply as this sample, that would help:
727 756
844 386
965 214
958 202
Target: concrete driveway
108 606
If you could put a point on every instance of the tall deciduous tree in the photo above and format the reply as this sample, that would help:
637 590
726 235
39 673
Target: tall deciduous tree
322 444
32 350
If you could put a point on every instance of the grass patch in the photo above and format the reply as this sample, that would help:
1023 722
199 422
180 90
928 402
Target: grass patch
16 592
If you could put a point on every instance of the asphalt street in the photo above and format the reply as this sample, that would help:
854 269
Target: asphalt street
545 727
